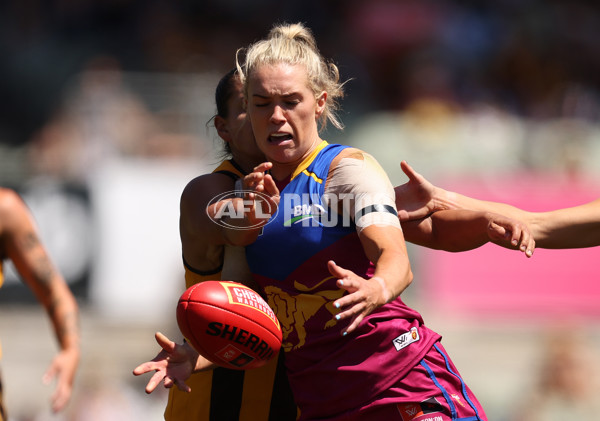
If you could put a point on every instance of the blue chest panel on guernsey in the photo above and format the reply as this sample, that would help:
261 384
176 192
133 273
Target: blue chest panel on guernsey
303 225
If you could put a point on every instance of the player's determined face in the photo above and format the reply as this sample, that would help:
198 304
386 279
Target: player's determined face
284 112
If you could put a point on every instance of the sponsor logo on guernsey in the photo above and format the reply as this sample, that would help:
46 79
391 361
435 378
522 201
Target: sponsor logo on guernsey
406 339
305 212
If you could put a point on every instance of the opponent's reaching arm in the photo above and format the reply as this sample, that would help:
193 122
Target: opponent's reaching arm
574 227
458 230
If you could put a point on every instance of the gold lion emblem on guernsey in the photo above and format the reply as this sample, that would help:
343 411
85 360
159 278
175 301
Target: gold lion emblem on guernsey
293 311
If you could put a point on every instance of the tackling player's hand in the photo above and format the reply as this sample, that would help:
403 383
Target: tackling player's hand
416 198
509 233
267 198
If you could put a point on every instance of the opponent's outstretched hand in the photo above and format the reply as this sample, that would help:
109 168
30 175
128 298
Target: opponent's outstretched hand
364 295
263 192
510 233
173 365
416 198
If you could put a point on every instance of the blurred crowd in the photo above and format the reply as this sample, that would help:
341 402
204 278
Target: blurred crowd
534 58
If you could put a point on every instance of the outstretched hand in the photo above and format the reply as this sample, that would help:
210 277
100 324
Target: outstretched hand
62 368
173 365
509 233
416 198
365 295
263 192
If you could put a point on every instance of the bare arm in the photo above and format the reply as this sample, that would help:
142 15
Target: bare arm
461 230
360 176
573 227
22 245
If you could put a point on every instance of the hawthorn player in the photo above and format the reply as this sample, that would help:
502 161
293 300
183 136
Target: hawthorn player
259 394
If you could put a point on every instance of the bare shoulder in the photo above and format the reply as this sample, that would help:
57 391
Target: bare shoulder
195 198
202 189
352 153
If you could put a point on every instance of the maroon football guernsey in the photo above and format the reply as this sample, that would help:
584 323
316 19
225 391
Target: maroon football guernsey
329 374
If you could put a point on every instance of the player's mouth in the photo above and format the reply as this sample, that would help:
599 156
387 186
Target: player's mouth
279 138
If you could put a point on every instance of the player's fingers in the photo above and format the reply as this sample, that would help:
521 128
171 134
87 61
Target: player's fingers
168 382
260 186
262 167
515 236
411 173
497 232
182 386
520 238
337 271
353 324
527 243
164 342
145 368
154 381
403 215
61 396
349 310
50 374
270 186
407 169
252 180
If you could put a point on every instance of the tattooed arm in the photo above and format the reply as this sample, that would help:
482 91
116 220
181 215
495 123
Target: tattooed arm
19 241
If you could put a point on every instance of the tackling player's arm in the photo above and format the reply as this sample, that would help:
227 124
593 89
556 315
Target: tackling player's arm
202 239
574 227
461 230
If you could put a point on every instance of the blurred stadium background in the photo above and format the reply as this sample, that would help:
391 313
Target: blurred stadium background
103 112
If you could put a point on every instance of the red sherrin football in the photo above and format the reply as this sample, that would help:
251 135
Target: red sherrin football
229 324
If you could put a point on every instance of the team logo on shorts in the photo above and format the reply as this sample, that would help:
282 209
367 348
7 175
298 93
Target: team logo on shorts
406 339
412 410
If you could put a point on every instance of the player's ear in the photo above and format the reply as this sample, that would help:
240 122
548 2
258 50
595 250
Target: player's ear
222 128
321 101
